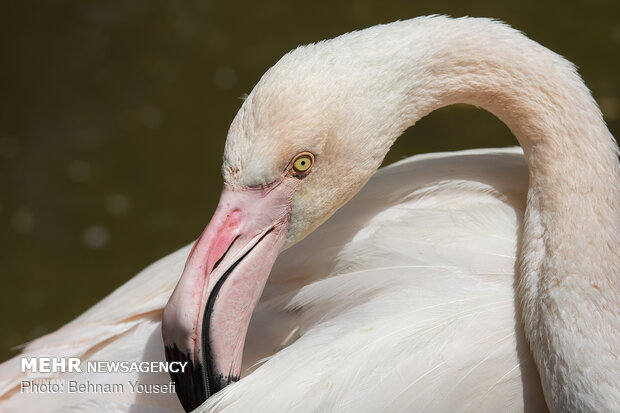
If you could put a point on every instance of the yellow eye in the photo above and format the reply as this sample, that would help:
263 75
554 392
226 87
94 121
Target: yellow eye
303 162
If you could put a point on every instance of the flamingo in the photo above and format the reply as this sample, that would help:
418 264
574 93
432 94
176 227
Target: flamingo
481 280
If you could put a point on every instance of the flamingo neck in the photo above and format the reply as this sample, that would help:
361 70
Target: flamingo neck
568 285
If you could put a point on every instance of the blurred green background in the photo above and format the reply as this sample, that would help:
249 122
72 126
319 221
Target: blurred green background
113 117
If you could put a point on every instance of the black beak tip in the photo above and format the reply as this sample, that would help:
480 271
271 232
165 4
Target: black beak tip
190 384
195 384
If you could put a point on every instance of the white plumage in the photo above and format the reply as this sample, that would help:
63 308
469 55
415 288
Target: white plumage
405 292
403 300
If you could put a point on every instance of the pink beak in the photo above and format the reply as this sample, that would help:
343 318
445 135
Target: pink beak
206 319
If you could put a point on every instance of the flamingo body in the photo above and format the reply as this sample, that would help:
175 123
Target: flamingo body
346 305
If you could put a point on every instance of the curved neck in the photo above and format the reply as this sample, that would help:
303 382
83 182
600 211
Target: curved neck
569 252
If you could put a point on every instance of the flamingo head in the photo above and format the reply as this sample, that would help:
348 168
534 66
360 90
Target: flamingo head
301 145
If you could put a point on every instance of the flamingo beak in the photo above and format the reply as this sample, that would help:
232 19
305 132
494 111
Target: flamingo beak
206 319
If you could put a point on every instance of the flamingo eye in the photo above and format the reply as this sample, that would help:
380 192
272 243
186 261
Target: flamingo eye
303 163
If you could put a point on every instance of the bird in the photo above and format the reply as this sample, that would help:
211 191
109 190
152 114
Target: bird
480 280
